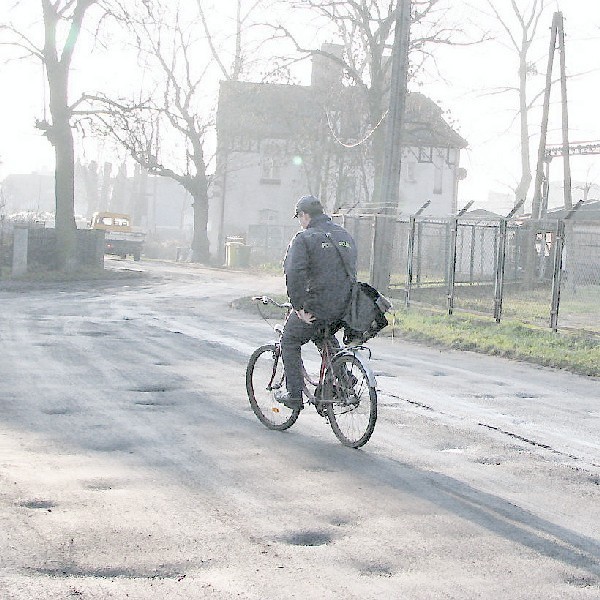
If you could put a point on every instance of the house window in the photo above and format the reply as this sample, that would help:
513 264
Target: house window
268 216
270 170
272 155
425 154
451 156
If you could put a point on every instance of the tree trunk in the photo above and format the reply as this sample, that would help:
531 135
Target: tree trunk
200 246
526 177
64 177
199 191
60 136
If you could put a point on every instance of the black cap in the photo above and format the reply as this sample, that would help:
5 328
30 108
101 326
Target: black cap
308 204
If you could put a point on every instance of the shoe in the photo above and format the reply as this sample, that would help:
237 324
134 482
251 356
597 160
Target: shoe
292 402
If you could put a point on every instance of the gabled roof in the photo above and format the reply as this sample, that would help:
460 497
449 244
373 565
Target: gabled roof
426 126
480 214
266 110
270 110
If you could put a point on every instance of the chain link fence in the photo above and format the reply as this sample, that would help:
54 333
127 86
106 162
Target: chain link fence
545 273
580 285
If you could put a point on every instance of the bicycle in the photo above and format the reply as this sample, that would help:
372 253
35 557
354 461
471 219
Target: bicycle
344 394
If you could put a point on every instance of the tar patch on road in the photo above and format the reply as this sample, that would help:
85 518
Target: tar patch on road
37 504
161 572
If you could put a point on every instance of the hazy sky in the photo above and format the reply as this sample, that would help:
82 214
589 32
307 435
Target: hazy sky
470 74
492 159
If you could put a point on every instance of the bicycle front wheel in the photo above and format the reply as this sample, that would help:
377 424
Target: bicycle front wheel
264 375
351 401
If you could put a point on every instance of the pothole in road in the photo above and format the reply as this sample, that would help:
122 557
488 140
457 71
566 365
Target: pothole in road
156 388
94 333
57 411
308 538
103 445
489 461
100 484
526 395
376 570
452 449
155 403
321 469
581 581
37 504
339 521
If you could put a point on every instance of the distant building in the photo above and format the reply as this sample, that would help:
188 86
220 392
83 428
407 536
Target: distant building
28 192
276 142
158 204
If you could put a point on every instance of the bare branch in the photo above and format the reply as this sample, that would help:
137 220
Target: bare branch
209 38
23 42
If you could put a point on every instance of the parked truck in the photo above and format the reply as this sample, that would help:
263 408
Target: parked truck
121 238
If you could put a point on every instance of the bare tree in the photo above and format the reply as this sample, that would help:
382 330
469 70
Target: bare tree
519 20
62 25
365 30
167 134
243 11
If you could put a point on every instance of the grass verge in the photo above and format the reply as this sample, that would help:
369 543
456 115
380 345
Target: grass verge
576 352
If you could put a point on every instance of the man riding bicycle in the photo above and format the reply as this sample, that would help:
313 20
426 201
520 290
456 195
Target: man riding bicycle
318 286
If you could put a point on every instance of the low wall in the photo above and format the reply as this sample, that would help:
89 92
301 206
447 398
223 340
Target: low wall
35 249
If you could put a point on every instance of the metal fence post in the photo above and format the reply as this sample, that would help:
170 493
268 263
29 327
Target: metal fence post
452 264
557 274
372 265
499 277
472 256
419 239
409 260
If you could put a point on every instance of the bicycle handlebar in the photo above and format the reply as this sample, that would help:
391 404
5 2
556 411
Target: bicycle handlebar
267 300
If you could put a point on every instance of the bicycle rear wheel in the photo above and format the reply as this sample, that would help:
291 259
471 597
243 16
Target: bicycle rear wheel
351 401
264 375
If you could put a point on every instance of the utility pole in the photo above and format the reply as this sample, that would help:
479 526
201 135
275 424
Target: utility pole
390 179
540 198
565 116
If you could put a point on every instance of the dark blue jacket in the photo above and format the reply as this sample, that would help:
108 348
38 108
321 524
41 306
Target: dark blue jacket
315 276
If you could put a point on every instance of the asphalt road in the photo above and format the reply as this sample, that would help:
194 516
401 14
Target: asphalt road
131 465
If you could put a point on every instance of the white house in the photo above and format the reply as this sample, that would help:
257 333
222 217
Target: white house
276 142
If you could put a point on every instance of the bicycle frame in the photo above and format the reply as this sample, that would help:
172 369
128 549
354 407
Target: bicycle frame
327 353
344 394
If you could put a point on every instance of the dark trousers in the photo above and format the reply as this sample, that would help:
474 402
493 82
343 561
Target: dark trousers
296 333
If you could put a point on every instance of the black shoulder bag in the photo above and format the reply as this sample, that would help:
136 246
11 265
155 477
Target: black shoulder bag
365 314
